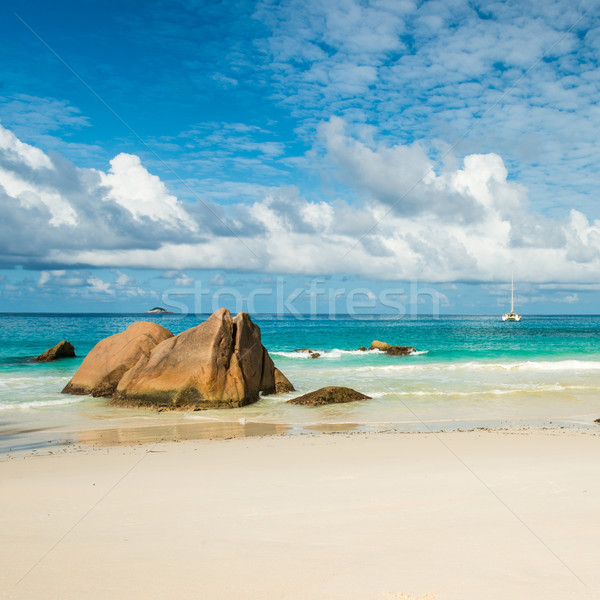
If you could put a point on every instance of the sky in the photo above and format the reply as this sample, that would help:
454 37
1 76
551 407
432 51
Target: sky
300 156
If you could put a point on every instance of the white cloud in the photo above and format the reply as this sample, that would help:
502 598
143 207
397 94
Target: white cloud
39 116
29 195
217 279
123 280
184 281
97 285
13 148
431 70
468 222
130 185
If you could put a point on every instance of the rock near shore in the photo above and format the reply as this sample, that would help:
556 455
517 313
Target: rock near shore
220 363
112 357
329 395
63 349
282 383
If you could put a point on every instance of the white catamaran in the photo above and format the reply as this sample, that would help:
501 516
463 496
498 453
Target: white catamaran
512 316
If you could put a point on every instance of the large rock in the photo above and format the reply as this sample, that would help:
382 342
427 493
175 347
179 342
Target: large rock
220 363
282 383
112 357
329 395
63 349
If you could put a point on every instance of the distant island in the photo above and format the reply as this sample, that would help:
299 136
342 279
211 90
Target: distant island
159 309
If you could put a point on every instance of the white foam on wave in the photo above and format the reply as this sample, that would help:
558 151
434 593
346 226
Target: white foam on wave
525 389
335 353
339 353
41 403
545 366
24 382
377 394
18 391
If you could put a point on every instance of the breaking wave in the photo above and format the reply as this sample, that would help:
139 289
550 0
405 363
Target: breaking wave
531 366
41 403
338 353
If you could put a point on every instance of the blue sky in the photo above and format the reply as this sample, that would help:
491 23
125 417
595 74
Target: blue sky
149 150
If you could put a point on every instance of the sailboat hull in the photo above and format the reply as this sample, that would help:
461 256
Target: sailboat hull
509 317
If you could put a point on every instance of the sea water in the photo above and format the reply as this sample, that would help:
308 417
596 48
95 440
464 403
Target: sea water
467 372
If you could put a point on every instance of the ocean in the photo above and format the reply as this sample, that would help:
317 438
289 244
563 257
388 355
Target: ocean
469 372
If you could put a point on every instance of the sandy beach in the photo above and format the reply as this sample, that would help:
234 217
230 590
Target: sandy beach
451 516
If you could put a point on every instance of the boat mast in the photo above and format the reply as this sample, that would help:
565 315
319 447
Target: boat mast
512 293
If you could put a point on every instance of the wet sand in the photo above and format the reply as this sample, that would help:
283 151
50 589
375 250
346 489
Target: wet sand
453 516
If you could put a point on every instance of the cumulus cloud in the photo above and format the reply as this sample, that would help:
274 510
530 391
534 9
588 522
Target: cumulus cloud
144 195
410 218
431 70
14 151
49 204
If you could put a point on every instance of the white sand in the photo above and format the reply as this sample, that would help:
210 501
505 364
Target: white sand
454 517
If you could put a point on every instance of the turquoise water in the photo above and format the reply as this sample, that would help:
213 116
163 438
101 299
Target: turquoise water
467 370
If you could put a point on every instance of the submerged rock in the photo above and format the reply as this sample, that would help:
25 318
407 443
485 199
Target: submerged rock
63 349
308 351
102 369
220 363
282 383
311 353
329 395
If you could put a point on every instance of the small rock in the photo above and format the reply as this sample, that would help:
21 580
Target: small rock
377 345
329 395
363 349
63 349
400 350
392 350
312 353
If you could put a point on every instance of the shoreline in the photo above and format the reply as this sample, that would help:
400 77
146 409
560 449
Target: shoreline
37 441
458 516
